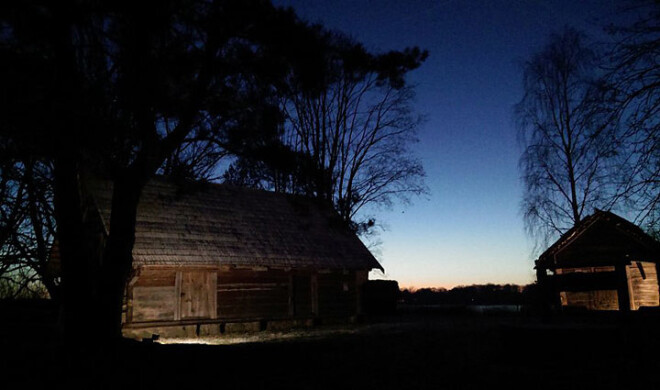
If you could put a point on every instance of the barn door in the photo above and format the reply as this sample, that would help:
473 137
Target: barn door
198 294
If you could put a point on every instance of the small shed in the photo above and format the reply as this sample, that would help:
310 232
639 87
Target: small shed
210 256
603 263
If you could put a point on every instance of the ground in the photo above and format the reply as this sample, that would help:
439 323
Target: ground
420 349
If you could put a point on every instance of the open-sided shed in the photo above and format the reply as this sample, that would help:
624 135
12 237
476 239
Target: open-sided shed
208 256
603 263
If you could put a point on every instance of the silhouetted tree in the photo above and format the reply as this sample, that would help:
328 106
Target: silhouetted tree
114 88
27 229
566 137
478 294
350 144
633 93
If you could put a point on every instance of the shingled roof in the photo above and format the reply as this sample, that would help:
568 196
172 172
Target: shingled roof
215 224
600 238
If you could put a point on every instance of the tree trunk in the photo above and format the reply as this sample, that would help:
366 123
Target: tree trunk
94 272
118 254
79 266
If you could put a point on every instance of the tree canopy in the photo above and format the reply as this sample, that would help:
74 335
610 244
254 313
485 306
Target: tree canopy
566 136
349 144
108 88
588 123
114 89
633 95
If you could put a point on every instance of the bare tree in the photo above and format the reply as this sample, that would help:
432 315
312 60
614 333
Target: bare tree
350 144
114 88
633 93
27 227
358 135
195 159
566 139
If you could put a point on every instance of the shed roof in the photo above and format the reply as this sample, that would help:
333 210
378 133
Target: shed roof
215 224
602 238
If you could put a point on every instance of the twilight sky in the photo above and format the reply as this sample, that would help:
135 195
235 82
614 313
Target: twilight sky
469 229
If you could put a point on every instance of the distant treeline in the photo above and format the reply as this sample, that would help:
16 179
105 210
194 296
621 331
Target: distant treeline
488 294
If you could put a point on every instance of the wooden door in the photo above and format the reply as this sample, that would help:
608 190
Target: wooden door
198 294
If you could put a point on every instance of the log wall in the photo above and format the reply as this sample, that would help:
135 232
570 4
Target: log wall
596 299
247 294
643 284
592 300
234 295
152 296
641 287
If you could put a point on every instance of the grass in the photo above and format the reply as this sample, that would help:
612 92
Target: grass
413 350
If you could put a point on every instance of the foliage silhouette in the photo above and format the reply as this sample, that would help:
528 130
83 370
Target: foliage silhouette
113 89
348 145
566 136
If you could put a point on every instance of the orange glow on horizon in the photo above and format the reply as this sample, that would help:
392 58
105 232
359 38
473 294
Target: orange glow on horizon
439 286
415 288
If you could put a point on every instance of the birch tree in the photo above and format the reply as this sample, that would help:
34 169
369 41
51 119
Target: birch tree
566 139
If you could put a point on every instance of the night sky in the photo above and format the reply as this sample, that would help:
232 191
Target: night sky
469 228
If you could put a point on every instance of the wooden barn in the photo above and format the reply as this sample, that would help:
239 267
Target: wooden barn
209 258
603 263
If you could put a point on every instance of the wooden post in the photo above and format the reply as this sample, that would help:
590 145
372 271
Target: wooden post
315 294
623 294
129 296
292 308
631 290
212 291
657 273
177 296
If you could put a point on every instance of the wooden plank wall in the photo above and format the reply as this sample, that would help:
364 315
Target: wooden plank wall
153 296
248 294
242 294
198 294
592 300
643 284
171 294
562 271
272 294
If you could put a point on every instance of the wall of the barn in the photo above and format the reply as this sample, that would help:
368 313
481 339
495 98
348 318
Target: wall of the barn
276 294
605 299
248 294
197 292
151 296
234 295
591 300
564 271
643 284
